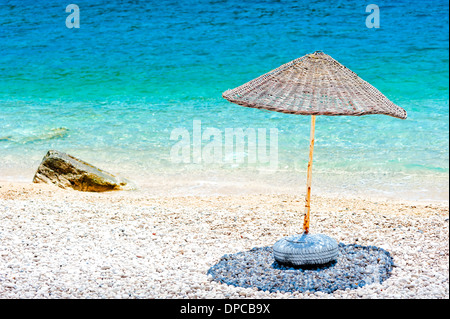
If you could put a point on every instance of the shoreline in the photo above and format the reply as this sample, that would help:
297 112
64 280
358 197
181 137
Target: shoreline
200 189
420 188
29 190
199 179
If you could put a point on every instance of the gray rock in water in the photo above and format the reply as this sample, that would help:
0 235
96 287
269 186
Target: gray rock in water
67 171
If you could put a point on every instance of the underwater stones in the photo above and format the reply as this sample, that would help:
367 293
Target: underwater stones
55 133
5 138
67 171
305 249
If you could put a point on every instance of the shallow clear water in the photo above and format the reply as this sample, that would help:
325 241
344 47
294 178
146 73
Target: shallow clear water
113 91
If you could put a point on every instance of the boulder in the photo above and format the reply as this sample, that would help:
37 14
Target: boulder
67 171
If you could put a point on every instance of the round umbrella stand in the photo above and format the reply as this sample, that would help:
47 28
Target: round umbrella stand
305 249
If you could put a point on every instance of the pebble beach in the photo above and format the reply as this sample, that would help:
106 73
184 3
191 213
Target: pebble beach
57 243
210 153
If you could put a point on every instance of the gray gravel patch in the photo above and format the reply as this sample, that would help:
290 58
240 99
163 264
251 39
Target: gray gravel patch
355 267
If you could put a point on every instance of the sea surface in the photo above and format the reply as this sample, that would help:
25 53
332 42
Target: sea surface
140 79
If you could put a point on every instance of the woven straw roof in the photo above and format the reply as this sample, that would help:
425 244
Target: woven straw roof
314 84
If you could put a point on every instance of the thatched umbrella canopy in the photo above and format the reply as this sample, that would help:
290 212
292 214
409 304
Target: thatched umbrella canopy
315 84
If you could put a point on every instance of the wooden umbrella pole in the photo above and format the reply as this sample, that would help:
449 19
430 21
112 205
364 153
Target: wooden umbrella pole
309 178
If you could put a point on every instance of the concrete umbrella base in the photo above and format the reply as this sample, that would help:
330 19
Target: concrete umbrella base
305 249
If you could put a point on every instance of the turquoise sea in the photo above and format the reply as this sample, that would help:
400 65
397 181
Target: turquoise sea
114 90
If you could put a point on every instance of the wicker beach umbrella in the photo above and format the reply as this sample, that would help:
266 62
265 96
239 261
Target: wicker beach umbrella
314 84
